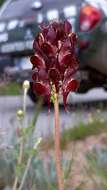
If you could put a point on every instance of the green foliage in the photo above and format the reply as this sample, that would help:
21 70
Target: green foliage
7 166
11 88
96 167
41 175
67 167
82 131
1 2
29 131
79 188
45 174
79 132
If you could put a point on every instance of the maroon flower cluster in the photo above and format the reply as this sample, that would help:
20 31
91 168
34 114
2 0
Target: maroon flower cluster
54 61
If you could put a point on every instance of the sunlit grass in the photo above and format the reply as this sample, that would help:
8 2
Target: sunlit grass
11 88
82 131
79 132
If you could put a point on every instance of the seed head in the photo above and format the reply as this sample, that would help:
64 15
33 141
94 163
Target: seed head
26 84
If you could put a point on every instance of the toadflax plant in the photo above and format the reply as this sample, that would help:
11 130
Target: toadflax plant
54 67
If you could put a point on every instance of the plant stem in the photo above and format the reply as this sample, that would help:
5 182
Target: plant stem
21 148
57 143
19 162
24 100
25 173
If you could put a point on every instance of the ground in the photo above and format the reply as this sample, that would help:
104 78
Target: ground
80 149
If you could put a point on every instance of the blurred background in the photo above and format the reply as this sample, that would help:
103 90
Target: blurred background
19 20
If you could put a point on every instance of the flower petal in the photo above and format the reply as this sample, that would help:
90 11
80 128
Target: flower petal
71 85
40 39
48 49
37 61
65 60
42 75
35 74
41 88
67 27
54 75
51 35
73 39
69 72
36 46
67 87
59 29
66 45
44 29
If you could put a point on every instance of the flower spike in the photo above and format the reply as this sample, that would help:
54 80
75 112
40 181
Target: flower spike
55 60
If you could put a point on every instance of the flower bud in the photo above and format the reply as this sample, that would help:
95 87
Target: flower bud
26 84
20 114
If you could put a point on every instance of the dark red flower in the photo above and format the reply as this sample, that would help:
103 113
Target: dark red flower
68 86
55 60
37 61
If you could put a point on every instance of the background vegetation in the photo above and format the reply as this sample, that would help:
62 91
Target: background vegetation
1 2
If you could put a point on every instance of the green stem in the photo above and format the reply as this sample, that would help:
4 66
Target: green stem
57 143
19 162
25 173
